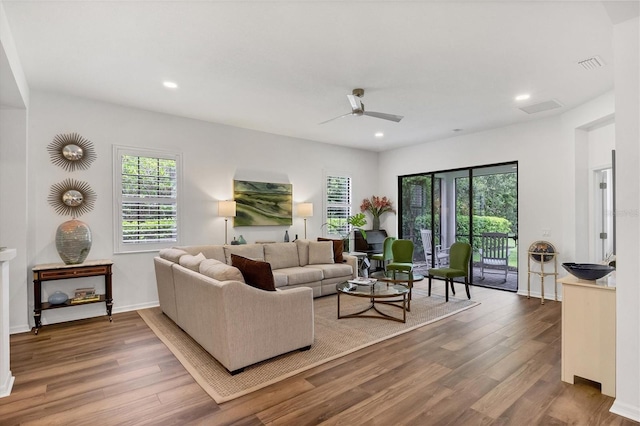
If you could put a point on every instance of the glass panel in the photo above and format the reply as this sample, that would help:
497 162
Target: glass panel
415 210
495 210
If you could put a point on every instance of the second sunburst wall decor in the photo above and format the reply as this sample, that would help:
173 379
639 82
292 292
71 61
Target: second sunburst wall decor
262 203
72 197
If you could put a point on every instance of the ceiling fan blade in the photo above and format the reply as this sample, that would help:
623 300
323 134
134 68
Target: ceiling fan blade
354 101
390 117
335 118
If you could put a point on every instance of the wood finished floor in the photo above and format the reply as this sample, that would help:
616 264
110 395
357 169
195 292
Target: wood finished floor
495 364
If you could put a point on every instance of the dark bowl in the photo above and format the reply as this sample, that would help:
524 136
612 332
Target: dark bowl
588 271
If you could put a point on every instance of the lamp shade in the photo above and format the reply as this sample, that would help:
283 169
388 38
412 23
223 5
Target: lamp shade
227 208
305 209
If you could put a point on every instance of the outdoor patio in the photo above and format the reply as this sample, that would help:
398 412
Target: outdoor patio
491 280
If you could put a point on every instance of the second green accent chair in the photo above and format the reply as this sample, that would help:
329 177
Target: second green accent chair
386 255
459 256
402 256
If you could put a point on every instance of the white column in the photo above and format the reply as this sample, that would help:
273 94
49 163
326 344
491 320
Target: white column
6 379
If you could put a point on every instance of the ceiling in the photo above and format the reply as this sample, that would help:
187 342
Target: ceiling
283 67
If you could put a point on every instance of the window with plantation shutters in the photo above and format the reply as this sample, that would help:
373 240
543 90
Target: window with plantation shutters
338 204
147 199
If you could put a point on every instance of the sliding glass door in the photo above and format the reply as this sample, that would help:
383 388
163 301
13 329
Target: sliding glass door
440 208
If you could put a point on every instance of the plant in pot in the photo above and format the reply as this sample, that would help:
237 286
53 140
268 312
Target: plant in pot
357 221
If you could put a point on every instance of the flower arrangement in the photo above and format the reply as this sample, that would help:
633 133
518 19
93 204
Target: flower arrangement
377 206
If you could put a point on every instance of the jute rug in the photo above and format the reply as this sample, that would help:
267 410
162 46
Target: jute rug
333 339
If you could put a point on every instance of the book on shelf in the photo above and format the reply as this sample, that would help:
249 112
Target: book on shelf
79 300
81 293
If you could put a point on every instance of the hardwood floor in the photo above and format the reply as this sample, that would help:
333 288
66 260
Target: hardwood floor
495 364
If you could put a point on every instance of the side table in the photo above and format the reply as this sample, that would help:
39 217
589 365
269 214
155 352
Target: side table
61 271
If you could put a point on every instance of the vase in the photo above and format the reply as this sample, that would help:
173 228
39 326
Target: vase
241 240
376 223
58 298
73 241
286 236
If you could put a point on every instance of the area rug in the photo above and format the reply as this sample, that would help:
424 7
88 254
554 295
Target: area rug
333 339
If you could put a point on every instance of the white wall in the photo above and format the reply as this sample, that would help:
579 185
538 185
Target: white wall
545 151
13 206
627 81
212 156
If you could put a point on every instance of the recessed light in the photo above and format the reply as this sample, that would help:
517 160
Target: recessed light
170 85
523 97
379 134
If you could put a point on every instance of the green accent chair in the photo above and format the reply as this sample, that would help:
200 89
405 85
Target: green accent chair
459 256
402 256
386 255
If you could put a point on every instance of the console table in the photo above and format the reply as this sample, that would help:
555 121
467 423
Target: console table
589 332
61 271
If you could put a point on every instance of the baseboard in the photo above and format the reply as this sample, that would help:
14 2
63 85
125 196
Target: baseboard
626 410
5 388
130 308
73 316
538 295
19 329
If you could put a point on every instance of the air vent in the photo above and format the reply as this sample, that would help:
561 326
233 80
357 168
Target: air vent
542 106
591 63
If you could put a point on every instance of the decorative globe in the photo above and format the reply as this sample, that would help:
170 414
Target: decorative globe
73 241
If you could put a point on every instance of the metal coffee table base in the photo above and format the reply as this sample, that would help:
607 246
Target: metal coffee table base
382 315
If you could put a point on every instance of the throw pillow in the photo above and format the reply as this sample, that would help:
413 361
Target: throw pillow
172 254
320 252
192 262
256 273
220 271
338 248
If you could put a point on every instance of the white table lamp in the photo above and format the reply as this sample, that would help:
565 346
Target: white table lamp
305 210
226 209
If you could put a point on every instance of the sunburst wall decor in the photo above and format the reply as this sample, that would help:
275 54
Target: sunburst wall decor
71 151
72 197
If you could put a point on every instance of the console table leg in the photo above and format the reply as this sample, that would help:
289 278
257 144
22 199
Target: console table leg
38 321
109 304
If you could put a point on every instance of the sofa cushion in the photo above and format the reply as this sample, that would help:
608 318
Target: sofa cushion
172 254
300 275
255 272
338 248
281 255
280 279
333 270
192 262
320 252
303 251
250 251
220 271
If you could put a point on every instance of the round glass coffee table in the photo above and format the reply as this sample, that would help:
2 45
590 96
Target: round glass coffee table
378 293
398 277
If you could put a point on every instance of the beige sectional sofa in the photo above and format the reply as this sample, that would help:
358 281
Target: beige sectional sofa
237 323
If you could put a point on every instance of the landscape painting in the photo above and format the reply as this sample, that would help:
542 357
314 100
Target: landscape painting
262 203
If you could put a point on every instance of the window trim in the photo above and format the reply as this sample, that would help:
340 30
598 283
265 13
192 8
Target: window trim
118 151
326 205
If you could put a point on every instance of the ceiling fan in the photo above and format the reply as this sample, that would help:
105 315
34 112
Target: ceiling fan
357 108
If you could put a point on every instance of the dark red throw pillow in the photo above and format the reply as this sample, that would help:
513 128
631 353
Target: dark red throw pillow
338 248
256 273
